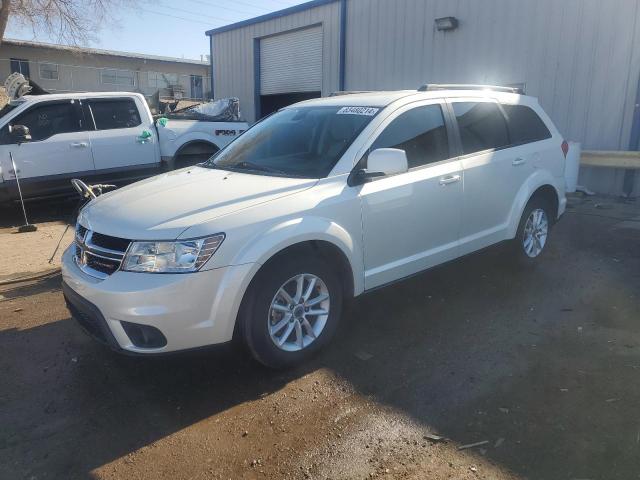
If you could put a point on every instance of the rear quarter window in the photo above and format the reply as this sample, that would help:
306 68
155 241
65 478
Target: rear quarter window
524 124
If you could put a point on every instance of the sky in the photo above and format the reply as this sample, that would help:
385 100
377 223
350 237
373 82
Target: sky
169 28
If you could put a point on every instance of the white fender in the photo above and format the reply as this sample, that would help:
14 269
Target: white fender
266 244
539 179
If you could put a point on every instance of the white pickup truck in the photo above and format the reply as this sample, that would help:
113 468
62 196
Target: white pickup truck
102 137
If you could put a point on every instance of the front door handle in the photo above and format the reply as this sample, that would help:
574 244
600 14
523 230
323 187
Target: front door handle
518 161
79 144
449 179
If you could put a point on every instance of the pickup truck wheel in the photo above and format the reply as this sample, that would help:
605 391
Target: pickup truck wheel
294 310
193 153
533 231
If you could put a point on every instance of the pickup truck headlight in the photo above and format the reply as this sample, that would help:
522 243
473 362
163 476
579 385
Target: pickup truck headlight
181 256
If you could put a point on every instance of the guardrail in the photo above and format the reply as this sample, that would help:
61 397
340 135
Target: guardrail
610 159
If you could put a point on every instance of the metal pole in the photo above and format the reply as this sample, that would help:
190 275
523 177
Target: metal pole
27 227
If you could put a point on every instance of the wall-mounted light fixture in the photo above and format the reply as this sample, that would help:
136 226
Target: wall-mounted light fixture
446 23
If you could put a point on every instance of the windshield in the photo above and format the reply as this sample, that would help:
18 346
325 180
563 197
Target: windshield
301 142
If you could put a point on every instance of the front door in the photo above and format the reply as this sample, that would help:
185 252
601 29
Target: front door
59 148
411 220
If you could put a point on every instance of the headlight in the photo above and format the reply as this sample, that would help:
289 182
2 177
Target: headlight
181 256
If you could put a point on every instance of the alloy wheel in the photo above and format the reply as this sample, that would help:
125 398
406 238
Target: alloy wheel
536 230
298 312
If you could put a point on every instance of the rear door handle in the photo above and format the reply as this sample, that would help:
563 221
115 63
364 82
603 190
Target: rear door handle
449 179
79 144
518 161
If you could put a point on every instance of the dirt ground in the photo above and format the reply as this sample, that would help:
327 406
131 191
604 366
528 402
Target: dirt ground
541 365
43 245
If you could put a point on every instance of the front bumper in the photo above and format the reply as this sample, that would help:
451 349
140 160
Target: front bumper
190 310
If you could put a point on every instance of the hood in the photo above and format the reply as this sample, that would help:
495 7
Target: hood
162 207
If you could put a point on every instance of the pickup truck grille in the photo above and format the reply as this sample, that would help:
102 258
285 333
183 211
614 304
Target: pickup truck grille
96 254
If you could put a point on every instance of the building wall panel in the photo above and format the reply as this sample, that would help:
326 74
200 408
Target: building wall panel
233 55
579 57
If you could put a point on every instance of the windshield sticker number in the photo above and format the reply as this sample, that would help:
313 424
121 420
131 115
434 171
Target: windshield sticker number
367 111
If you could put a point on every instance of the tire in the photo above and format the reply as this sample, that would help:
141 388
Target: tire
258 315
532 236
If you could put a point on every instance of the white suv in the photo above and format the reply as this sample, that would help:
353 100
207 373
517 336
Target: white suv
317 203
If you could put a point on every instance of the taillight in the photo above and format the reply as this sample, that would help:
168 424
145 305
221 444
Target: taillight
565 148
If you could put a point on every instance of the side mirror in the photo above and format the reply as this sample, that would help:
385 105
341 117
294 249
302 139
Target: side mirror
387 161
381 162
20 133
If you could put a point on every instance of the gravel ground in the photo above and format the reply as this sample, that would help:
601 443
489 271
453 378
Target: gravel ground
542 366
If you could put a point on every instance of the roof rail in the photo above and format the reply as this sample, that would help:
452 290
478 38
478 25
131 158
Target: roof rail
429 87
348 92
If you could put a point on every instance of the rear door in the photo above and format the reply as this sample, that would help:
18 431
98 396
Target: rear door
124 139
493 172
59 148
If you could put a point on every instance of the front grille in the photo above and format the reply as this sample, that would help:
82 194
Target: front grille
97 254
80 231
103 265
111 243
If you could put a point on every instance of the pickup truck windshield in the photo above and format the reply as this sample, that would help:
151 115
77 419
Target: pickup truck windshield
299 142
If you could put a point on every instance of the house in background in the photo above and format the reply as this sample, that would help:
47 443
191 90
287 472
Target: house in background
59 68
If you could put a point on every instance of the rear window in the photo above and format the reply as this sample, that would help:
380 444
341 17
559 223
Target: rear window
482 126
117 113
524 125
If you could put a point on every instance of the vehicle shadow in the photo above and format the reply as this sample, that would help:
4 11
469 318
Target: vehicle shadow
38 211
475 350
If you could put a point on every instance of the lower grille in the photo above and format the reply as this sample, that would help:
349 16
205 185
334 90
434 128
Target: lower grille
89 323
88 317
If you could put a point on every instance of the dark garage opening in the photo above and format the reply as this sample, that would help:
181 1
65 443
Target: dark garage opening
271 103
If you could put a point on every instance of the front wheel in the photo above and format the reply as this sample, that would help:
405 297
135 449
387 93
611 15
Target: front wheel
292 311
533 231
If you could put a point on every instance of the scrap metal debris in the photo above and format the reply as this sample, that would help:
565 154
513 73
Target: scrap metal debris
434 438
473 445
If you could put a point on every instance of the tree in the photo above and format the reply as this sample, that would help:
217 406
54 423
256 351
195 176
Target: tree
71 22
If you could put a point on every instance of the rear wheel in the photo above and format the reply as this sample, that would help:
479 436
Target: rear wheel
533 230
193 154
292 310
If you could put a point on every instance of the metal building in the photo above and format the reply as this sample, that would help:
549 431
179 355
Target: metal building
581 58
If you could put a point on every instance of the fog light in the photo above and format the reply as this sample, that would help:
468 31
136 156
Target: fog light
144 336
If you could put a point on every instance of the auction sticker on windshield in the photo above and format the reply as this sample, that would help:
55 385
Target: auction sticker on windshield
368 111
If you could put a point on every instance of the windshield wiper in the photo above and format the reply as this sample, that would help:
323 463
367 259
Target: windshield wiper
256 168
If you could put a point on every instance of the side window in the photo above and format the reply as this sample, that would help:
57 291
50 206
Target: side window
482 126
46 120
116 113
524 125
420 132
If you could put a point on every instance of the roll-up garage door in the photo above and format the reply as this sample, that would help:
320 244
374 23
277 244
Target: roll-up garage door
291 62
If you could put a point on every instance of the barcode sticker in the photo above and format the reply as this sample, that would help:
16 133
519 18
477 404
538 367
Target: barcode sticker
368 111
